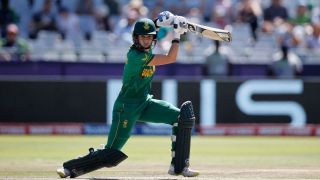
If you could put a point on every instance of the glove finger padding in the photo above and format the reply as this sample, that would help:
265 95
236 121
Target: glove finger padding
165 19
180 24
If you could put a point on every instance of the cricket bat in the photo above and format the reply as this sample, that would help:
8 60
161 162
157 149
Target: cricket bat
209 32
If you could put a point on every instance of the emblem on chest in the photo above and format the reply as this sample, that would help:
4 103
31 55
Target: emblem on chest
148 71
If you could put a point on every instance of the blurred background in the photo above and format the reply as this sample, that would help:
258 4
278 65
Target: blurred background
61 63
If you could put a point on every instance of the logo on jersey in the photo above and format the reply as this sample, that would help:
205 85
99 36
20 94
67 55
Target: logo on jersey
146 26
148 71
146 57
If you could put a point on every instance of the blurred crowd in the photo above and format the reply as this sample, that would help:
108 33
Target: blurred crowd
288 30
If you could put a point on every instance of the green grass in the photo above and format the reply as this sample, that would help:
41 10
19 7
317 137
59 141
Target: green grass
37 157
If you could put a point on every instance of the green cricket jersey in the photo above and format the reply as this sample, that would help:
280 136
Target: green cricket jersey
135 103
137 76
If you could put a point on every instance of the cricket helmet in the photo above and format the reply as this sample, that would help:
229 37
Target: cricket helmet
144 26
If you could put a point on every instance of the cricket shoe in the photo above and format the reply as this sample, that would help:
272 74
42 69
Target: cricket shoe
63 173
186 172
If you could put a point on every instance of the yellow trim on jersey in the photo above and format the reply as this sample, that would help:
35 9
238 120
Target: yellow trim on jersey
115 136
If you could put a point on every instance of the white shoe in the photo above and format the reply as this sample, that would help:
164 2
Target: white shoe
189 172
63 173
186 172
171 171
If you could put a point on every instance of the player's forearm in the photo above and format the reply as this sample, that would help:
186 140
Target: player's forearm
173 52
161 59
174 49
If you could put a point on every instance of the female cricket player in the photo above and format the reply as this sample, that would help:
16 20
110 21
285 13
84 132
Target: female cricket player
134 103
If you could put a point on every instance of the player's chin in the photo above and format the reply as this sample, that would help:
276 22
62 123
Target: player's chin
146 46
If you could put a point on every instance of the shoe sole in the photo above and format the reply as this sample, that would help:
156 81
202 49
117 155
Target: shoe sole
194 175
174 174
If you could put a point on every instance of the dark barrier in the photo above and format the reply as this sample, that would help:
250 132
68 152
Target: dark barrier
257 101
229 101
52 101
268 101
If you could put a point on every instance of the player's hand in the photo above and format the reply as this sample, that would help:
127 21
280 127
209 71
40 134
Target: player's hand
165 19
179 26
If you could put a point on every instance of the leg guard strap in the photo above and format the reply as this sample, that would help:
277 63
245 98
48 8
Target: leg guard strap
185 124
94 160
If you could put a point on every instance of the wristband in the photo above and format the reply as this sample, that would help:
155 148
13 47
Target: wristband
175 41
155 23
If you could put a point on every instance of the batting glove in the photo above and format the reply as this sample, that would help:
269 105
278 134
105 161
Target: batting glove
179 26
165 19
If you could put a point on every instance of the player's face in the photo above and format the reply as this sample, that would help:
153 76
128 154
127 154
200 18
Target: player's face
145 40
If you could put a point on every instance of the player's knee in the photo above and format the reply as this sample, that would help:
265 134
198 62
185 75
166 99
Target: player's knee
186 117
174 116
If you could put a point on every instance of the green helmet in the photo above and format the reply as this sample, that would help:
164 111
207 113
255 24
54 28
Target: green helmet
144 26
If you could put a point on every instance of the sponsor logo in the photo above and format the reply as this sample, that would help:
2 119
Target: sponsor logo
191 28
146 57
148 71
270 108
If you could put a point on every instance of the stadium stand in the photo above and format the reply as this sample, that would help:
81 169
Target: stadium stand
105 45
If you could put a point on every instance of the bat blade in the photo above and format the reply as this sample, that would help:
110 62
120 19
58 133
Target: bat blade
210 32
